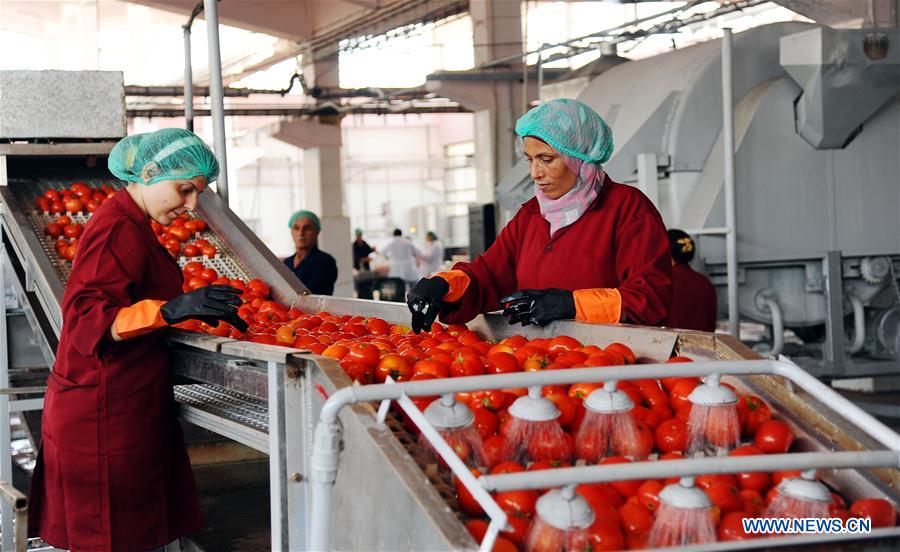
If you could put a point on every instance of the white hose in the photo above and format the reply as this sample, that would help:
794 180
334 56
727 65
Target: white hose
770 303
859 322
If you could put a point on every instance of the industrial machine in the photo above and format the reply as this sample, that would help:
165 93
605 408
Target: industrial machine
816 185
386 495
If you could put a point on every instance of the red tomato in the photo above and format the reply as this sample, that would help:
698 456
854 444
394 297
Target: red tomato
395 366
517 503
466 365
496 449
520 527
195 282
43 204
208 251
54 229
363 353
180 233
464 498
504 545
600 358
773 437
635 518
335 351
73 205
755 481
493 400
724 495
501 362
477 528
486 422
757 413
678 396
432 367
582 390
210 274
648 494
356 371
556 447
191 250
568 408
57 206
731 527
563 344
508 466
753 502
672 436
623 350
192 268
879 510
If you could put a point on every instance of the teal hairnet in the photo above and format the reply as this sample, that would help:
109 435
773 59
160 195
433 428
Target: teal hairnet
305 214
167 154
571 128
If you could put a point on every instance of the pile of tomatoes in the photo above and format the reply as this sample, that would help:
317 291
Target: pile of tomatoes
177 237
77 199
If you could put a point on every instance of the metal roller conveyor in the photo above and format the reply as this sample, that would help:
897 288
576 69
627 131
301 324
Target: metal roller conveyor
270 398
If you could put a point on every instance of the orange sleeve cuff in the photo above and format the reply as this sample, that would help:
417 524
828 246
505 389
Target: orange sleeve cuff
140 318
598 305
459 283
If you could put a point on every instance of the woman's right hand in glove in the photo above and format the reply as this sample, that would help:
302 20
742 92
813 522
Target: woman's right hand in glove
209 304
425 300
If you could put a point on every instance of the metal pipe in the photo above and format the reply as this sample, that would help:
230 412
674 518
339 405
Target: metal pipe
6 474
711 231
859 321
540 74
730 210
770 302
542 479
188 81
216 95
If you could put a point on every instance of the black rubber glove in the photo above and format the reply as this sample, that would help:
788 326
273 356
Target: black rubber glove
539 306
208 304
425 300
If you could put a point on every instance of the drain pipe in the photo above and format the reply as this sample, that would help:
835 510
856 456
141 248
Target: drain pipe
859 321
216 94
327 438
767 301
730 210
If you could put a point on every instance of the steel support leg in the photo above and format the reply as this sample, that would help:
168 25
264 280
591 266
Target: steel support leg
834 356
6 512
277 466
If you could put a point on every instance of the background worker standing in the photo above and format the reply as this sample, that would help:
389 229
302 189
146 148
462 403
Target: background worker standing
693 305
314 267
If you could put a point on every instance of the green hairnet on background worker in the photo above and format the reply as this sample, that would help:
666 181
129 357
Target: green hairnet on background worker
609 236
109 407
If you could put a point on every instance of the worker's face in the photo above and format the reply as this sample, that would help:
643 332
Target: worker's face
548 169
305 233
167 199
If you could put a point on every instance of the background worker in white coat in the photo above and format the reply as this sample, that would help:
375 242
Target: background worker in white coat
432 259
402 255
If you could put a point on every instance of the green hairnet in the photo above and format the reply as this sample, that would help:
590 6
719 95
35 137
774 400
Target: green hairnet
571 128
305 214
167 154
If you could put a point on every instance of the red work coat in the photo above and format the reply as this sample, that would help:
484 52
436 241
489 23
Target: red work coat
113 472
693 305
619 242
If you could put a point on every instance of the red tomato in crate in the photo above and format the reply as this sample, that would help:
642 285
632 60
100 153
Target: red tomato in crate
54 229
563 344
464 498
757 413
209 274
520 527
191 250
517 503
363 353
755 481
57 206
73 230
394 366
623 350
636 519
879 510
731 527
209 251
43 204
501 362
773 437
726 496
672 436
73 205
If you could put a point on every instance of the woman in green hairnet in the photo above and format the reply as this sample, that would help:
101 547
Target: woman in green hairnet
583 248
315 268
113 472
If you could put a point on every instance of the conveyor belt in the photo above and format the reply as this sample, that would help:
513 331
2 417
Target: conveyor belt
27 191
226 412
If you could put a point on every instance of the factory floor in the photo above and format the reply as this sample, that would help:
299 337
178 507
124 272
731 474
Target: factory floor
235 503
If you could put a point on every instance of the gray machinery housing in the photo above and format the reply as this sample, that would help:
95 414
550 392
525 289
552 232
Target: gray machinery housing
817 163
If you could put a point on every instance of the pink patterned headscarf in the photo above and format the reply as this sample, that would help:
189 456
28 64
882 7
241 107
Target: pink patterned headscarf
569 208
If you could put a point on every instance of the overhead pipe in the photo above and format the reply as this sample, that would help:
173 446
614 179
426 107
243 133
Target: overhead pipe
327 437
217 104
859 321
188 70
734 321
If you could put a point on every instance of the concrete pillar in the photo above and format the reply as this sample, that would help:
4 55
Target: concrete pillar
320 73
323 191
497 104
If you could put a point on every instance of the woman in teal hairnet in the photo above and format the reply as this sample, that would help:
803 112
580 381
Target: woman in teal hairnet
113 472
585 247
315 268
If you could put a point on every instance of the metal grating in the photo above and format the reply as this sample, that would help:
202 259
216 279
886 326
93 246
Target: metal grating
26 191
225 403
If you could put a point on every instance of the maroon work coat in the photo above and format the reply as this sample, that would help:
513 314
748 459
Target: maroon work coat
113 472
693 305
619 242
